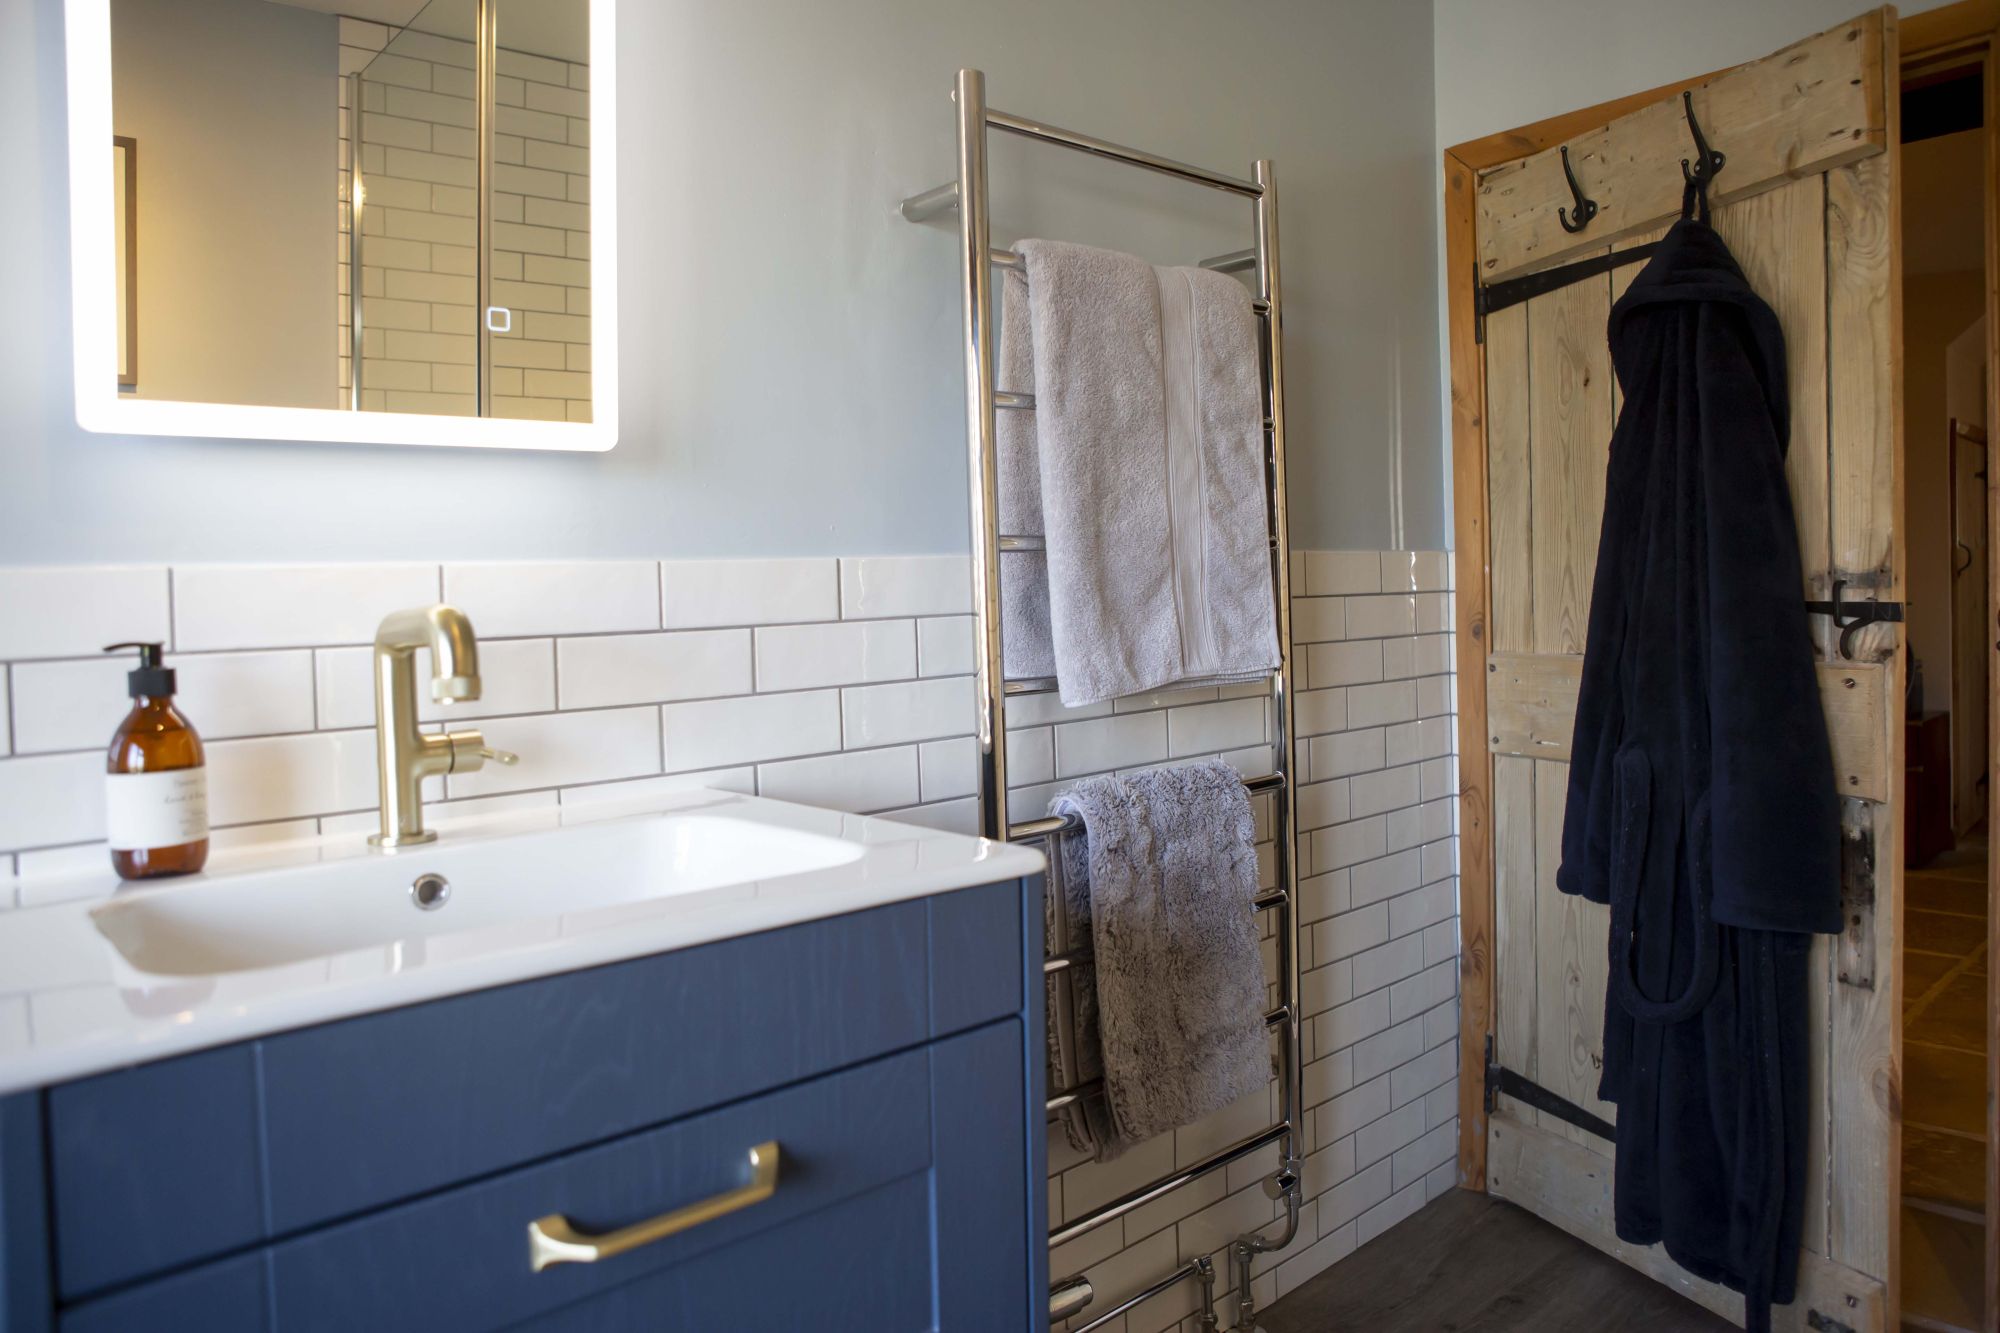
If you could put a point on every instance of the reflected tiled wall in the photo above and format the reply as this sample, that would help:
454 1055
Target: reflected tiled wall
419 150
840 682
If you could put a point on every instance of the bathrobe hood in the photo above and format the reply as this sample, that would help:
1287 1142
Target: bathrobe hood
1701 805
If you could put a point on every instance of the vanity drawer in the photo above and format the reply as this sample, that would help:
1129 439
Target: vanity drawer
164 1165
870 1168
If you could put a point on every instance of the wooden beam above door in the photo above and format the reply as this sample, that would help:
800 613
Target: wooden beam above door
1814 106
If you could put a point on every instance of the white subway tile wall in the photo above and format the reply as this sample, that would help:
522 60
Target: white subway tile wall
1378 941
843 682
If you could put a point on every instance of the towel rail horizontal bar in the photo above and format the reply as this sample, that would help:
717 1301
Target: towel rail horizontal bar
938 199
1067 1097
1236 261
1139 1198
1042 828
1025 402
1138 157
1192 1268
1062 962
1012 259
1032 542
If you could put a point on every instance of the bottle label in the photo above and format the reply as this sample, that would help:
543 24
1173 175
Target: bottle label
146 811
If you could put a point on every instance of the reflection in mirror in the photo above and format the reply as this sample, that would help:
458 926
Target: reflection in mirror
454 269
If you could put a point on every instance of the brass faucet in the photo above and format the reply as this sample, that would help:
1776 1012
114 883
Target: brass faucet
404 756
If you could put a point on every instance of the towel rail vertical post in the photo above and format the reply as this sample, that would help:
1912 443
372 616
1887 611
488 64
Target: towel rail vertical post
982 402
975 244
1284 806
1285 801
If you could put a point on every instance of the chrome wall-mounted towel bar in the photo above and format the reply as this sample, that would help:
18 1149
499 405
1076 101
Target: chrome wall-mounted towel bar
983 400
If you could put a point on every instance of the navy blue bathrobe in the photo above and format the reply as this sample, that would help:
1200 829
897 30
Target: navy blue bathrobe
1701 803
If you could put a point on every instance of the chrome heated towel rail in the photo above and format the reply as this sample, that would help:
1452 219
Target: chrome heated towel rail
983 400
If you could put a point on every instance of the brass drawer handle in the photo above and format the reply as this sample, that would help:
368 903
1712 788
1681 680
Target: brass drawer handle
553 1240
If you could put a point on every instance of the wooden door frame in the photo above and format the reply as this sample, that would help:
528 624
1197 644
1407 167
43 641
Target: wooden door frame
1968 24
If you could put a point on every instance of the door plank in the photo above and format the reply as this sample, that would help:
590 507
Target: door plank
1531 703
1813 106
1514 937
1780 240
1531 711
1816 1233
1508 489
1864 352
1863 422
1571 1187
1572 971
1569 406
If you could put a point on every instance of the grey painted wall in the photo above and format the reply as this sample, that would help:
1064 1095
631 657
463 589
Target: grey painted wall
227 100
789 348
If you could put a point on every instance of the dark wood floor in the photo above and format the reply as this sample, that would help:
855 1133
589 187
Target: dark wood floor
1944 1089
1468 1263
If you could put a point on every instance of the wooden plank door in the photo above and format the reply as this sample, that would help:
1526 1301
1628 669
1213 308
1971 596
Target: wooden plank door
1808 203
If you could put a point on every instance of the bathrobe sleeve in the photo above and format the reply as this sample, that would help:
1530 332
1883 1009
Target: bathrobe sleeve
1774 810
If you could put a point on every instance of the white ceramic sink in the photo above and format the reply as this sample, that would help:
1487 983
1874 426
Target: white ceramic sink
525 885
95 974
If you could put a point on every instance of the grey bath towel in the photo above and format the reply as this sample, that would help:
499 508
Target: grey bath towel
1143 466
1028 649
1162 881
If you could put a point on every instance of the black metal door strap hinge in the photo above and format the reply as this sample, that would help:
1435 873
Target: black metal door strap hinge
1501 1081
1851 616
1489 298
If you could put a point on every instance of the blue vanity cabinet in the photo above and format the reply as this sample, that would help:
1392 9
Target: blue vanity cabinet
381 1172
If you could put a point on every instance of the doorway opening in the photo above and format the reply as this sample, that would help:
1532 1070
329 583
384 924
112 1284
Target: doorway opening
1947 779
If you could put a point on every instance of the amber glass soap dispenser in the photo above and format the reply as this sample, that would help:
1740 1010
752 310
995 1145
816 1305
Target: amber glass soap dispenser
156 784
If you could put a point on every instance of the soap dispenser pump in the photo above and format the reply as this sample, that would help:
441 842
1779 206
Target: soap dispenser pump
156 783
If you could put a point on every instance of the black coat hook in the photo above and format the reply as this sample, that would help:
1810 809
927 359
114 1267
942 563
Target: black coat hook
1708 160
1586 209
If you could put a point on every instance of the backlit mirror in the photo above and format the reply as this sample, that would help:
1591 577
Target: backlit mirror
383 221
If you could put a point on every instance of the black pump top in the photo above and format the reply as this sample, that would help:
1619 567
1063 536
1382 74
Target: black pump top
151 680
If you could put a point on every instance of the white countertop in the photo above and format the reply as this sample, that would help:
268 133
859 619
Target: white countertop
72 1004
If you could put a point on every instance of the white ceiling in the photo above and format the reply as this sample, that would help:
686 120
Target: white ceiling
557 28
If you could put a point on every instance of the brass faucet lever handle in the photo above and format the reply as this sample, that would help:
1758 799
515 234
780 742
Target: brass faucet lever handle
469 752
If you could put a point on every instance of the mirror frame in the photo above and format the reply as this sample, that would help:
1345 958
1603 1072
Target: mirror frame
101 409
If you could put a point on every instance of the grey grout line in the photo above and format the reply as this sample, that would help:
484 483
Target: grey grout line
912 616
